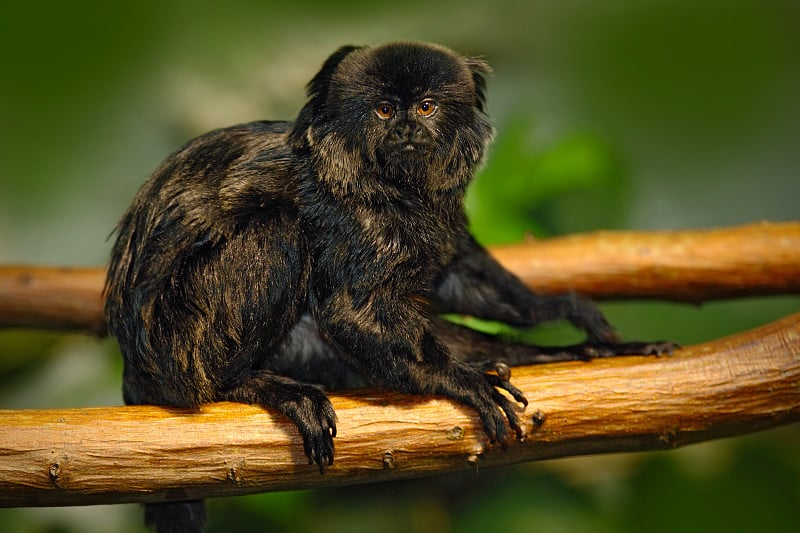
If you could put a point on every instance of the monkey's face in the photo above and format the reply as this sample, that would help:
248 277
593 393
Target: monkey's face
406 114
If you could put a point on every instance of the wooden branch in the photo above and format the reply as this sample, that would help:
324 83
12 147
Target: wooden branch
62 298
744 383
688 266
685 266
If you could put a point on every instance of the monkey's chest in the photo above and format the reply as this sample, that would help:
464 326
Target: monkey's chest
410 248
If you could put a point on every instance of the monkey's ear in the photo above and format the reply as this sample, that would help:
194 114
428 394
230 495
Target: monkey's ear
318 86
317 92
479 69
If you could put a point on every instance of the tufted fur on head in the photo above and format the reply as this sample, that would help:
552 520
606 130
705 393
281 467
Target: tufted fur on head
358 153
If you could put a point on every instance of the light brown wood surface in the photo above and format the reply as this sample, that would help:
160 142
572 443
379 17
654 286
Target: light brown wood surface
728 387
684 266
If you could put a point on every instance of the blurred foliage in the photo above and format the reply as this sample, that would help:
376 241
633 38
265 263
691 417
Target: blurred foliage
576 183
620 114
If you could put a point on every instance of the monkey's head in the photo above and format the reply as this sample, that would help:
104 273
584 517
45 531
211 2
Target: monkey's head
402 114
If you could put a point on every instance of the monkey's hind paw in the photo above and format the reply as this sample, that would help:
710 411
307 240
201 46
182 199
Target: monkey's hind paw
304 404
596 350
660 348
314 416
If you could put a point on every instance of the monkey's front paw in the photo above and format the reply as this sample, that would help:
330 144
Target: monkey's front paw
314 416
482 392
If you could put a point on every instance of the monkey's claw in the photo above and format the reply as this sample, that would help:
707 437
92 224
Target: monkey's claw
315 418
497 366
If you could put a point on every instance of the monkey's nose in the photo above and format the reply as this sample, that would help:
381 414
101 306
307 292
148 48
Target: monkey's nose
406 133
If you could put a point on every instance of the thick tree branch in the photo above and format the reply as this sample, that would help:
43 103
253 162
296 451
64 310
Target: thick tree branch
744 383
689 266
723 388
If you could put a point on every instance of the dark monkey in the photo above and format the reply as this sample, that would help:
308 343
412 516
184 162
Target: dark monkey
263 259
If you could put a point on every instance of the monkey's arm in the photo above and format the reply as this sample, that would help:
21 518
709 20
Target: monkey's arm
388 338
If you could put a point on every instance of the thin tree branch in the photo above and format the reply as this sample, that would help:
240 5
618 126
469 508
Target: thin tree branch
58 298
688 266
744 383
684 266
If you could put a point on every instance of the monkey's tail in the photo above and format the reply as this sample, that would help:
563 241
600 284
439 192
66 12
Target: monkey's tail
176 517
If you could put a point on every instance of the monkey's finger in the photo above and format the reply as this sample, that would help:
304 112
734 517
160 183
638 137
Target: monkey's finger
511 415
661 348
497 366
490 425
321 452
507 386
503 370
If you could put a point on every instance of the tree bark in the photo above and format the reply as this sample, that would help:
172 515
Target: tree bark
686 266
690 266
744 383
727 387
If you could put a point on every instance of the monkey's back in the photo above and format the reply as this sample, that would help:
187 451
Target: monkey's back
209 269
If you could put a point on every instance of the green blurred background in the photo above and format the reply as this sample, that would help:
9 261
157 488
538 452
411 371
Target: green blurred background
618 114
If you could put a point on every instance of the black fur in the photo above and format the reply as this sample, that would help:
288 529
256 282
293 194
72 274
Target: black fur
265 259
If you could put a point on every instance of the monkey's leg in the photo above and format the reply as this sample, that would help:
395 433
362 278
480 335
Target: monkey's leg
219 320
204 326
475 284
253 295
305 357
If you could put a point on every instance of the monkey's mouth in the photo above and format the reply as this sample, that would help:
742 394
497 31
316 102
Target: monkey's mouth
410 148
405 155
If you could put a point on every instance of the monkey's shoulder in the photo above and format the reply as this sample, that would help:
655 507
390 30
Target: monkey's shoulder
232 170
250 147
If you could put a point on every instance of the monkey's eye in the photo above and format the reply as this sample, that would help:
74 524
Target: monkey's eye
427 108
384 110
